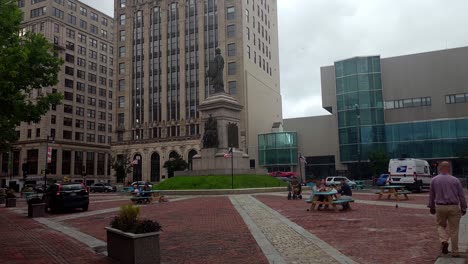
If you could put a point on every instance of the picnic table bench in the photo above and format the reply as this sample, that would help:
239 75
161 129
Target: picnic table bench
393 191
328 201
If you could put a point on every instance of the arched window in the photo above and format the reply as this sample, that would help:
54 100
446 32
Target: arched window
155 167
190 158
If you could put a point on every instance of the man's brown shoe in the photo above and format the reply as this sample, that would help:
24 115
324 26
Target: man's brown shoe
445 248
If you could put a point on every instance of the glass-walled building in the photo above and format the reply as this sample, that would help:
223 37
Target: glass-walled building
360 107
278 151
413 106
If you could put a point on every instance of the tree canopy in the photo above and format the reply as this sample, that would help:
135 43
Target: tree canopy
122 166
379 162
175 163
27 63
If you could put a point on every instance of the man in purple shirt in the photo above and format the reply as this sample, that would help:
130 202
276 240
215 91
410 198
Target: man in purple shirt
447 202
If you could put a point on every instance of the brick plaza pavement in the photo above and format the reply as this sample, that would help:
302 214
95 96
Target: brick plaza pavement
23 240
368 233
236 229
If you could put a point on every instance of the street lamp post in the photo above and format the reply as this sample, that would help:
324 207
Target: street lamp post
231 151
300 166
46 168
358 119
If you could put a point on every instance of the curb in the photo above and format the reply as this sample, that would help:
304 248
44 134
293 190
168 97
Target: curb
224 191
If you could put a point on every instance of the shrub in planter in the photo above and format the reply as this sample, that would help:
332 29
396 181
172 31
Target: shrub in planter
133 240
10 199
36 207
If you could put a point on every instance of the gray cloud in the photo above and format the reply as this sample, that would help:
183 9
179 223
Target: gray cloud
315 33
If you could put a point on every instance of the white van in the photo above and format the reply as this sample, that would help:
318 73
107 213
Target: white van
414 174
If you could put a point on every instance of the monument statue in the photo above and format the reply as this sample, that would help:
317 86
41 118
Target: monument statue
216 71
210 138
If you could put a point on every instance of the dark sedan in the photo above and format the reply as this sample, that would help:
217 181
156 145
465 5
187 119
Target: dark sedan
102 187
66 196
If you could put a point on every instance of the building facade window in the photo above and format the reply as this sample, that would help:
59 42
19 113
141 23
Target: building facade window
456 98
231 31
231 49
231 13
407 103
232 68
232 86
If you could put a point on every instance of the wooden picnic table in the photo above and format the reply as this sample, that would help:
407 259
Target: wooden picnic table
327 201
393 191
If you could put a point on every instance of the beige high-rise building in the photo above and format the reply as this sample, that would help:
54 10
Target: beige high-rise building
163 50
80 130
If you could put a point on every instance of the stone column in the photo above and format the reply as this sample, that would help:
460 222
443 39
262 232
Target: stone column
164 62
182 86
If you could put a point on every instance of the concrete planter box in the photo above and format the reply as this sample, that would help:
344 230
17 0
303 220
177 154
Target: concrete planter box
36 210
10 202
130 248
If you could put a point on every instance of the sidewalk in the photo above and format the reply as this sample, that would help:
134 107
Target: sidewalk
24 241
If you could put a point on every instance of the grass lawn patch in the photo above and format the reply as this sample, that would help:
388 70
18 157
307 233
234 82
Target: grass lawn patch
219 182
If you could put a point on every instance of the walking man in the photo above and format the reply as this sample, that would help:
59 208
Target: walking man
447 202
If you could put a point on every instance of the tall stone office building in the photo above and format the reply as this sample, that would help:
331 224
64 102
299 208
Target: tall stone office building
82 126
163 50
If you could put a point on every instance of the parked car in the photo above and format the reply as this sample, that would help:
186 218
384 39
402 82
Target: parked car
336 180
102 187
382 180
61 196
141 184
283 174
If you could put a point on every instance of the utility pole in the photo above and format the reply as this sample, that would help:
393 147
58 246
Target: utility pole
231 151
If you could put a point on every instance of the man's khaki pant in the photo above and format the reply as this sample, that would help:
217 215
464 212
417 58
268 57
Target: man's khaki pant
451 215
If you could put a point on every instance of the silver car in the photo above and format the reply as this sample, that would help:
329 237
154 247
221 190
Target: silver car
336 180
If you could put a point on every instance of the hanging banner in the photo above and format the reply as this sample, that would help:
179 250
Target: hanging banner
49 155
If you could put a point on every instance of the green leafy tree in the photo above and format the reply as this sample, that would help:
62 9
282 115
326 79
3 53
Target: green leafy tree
27 63
122 166
176 163
378 162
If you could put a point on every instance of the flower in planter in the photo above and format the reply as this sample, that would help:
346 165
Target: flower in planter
128 221
10 194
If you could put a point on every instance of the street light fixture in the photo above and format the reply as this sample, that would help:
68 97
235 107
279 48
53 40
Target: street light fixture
50 139
358 118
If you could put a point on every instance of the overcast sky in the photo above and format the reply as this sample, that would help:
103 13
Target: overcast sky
315 33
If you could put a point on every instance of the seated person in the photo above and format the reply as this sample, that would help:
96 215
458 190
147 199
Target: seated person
346 193
146 190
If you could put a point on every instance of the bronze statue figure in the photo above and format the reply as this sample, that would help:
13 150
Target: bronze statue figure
216 71
210 138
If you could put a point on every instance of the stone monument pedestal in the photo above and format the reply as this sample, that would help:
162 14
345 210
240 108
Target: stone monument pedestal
211 161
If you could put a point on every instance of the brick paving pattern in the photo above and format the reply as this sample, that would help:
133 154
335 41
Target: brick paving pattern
24 241
368 233
199 230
